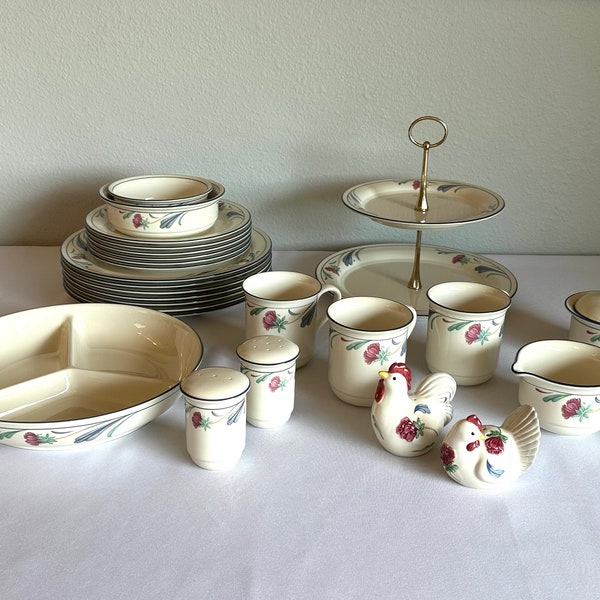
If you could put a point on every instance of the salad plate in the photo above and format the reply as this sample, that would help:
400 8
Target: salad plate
385 269
79 375
451 204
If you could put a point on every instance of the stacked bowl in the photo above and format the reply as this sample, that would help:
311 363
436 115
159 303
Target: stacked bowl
167 242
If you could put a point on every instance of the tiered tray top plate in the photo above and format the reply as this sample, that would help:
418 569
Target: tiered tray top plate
451 204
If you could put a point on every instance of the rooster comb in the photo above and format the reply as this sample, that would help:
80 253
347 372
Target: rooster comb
475 420
403 370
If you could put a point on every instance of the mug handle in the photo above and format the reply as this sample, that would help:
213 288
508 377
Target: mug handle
337 295
413 322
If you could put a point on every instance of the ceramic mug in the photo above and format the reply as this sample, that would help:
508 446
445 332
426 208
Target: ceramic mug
366 334
464 330
585 317
284 303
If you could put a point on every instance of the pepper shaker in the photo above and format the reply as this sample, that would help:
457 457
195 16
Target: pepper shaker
269 362
215 416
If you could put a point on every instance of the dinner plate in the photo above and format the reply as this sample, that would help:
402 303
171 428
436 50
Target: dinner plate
138 260
75 253
200 294
385 269
451 204
176 292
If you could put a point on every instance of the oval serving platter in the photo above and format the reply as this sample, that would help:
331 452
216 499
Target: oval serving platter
385 269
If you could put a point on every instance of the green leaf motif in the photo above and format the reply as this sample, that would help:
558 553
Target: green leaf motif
458 325
451 467
497 433
555 397
5 435
357 345
280 324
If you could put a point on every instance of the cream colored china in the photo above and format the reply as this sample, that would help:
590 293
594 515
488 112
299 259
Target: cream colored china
585 316
79 375
491 456
384 270
215 416
177 292
234 220
160 190
392 202
285 303
366 335
561 380
168 222
464 330
407 418
269 362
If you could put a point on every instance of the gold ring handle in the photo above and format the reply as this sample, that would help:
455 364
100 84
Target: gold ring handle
422 205
427 143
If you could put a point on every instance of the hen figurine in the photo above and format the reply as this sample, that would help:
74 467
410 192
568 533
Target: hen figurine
409 424
487 456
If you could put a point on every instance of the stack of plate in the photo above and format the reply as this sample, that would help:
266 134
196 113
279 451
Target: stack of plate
181 276
227 239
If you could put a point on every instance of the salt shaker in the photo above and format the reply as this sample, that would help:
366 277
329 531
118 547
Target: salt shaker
215 416
269 362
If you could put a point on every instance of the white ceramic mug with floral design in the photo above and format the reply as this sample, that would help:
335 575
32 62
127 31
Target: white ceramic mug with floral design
464 330
366 334
585 317
284 303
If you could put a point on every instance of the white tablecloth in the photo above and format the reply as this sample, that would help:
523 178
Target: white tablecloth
315 509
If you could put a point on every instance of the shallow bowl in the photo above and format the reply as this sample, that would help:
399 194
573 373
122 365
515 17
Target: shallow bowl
161 222
160 190
561 380
79 375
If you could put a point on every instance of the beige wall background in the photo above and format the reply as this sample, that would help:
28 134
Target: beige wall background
289 103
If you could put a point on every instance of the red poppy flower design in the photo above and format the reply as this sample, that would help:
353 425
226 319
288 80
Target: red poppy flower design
269 319
32 439
137 220
447 454
571 408
494 445
196 419
371 354
406 429
275 383
473 333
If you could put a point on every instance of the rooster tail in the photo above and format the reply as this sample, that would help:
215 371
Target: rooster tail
524 426
438 386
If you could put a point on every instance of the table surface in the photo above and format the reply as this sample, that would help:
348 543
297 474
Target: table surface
314 509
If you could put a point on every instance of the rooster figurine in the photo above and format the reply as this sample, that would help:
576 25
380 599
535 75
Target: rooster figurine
409 424
486 456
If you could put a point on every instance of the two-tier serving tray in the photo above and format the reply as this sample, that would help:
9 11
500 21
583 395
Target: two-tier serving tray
404 272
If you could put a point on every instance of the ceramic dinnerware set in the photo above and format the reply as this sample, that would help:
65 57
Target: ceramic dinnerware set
166 242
